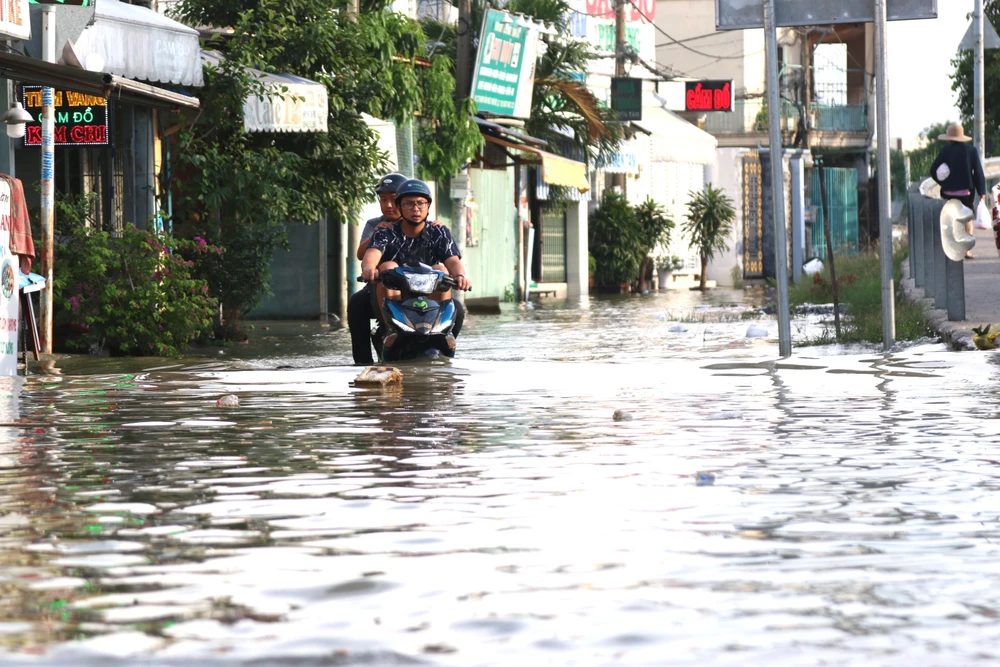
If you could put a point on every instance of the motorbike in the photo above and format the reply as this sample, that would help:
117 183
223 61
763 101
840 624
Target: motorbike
415 324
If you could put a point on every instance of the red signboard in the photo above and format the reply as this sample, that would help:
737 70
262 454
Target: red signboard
80 120
640 9
708 96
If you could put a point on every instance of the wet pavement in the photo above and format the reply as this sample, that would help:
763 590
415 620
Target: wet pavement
834 508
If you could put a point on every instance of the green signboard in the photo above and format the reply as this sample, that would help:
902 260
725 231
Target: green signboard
505 65
626 98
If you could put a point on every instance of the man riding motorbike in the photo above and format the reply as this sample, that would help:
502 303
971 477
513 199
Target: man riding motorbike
359 307
413 239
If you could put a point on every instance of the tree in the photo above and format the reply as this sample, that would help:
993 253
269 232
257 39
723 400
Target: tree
655 228
564 112
962 83
238 189
709 222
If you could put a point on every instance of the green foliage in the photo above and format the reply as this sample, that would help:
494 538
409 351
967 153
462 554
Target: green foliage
621 236
239 189
563 110
859 287
668 262
709 222
129 294
962 84
897 171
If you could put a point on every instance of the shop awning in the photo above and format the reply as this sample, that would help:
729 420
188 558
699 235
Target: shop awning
293 105
32 71
556 170
138 43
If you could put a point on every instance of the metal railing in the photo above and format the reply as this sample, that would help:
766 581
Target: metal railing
749 117
848 118
942 279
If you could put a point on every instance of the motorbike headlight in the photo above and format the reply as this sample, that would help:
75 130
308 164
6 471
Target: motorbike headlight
422 283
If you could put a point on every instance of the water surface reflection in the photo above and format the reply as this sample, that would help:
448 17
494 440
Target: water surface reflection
493 513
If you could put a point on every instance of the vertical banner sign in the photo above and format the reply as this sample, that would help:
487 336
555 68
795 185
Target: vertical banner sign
8 288
505 65
48 152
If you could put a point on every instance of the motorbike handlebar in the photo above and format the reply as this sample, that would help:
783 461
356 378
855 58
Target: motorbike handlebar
446 279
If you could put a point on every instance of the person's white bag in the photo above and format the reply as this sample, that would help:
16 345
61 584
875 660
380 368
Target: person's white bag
984 218
943 172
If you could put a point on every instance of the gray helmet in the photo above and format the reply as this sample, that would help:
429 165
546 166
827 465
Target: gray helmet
389 183
413 187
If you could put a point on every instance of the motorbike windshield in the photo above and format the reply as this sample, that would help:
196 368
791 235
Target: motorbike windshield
422 283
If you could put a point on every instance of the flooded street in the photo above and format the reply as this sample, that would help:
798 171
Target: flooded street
840 507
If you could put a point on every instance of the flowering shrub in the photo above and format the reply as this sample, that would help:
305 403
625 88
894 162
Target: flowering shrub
132 294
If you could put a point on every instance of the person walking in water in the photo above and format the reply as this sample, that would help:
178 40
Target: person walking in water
959 171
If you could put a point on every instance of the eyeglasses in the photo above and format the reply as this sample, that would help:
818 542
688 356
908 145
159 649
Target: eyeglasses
416 204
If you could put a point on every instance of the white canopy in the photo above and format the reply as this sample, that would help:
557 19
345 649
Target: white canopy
293 104
674 139
138 43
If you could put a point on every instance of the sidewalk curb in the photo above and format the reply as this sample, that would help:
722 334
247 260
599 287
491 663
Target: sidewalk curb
957 335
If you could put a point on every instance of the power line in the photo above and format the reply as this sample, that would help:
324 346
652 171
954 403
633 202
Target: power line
675 42
681 43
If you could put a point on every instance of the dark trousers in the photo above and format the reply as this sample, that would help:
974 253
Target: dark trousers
360 313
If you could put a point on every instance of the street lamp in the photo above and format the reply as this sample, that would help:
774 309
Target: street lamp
15 118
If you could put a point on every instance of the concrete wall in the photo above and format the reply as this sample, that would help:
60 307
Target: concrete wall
295 276
577 249
684 19
727 173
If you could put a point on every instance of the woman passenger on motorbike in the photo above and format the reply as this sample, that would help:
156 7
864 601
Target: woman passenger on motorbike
413 239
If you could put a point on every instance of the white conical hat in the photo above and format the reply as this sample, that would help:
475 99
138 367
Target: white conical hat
954 238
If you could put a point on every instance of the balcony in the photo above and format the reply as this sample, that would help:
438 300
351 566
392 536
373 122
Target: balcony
832 125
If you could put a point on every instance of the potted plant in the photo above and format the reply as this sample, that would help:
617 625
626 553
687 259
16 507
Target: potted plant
665 267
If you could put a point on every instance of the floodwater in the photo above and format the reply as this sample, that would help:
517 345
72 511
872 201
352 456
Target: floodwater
840 507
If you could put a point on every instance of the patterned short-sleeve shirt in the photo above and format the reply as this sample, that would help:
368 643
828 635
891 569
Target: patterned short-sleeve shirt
434 245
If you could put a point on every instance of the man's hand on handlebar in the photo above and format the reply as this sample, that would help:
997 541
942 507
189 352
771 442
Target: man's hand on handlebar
462 283
369 275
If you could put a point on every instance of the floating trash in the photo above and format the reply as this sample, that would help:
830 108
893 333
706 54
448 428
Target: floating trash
754 331
728 414
379 376
678 328
622 416
704 478
228 401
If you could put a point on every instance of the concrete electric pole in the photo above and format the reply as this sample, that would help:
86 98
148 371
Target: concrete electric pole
463 85
979 110
620 48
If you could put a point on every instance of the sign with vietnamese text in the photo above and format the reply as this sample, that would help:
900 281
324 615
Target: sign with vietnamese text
505 65
288 107
744 14
15 19
80 120
594 23
708 96
8 287
626 98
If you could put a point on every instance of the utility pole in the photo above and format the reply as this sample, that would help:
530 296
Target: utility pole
777 179
48 178
463 85
884 184
620 46
979 131
353 224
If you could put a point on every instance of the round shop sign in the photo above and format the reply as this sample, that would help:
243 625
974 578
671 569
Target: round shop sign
7 277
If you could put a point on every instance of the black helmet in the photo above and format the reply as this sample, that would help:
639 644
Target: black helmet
389 183
413 187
